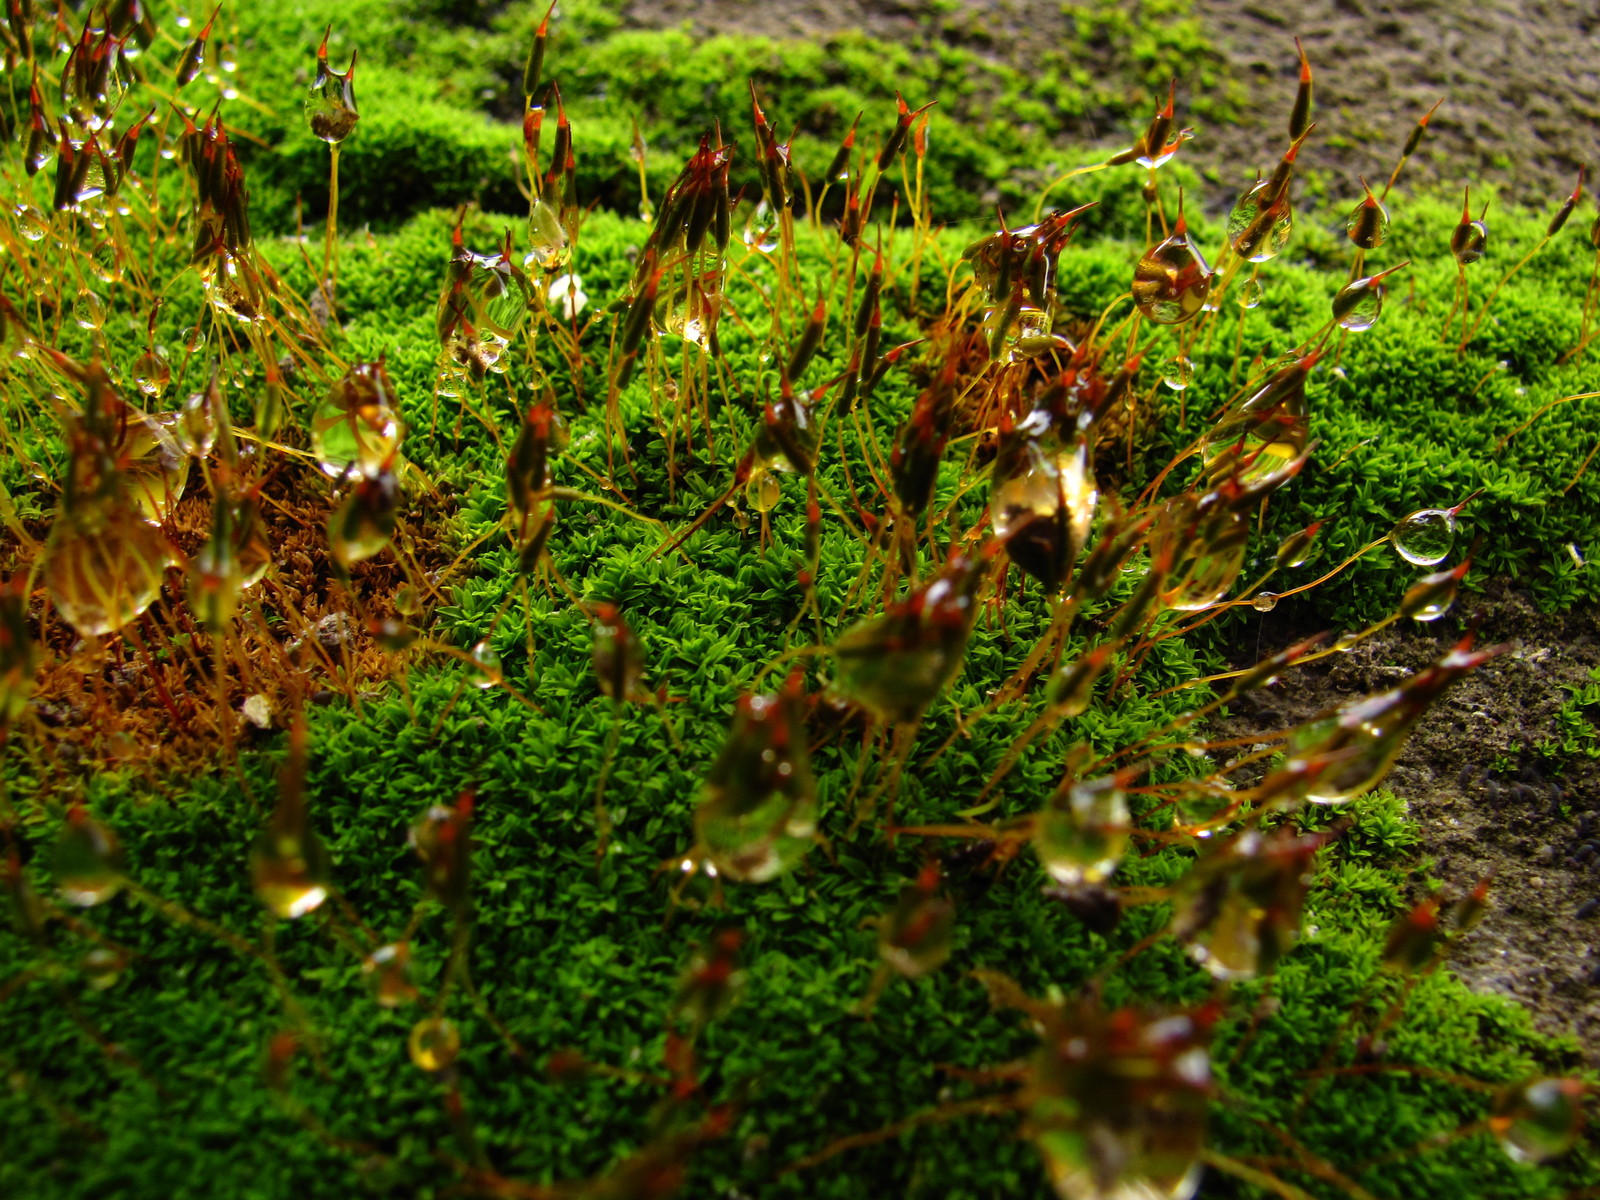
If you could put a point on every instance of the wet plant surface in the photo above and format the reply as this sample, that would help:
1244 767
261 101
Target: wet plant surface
769 651
1503 779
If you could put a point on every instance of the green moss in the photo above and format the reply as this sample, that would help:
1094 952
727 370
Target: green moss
571 955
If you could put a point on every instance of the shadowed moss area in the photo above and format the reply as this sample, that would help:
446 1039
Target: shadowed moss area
568 954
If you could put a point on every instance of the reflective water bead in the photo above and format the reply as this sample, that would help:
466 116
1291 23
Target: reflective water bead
1259 227
102 967
152 373
548 248
1265 601
388 970
330 105
1042 507
757 817
103 567
355 426
31 223
89 860
1368 223
154 463
1177 373
915 937
1171 280
1250 293
487 665
1431 596
762 491
1424 537
434 1043
289 867
1540 1120
88 310
1082 832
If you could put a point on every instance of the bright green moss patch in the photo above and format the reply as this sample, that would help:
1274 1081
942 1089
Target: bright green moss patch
161 1084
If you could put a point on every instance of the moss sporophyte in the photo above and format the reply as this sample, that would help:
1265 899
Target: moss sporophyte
424 544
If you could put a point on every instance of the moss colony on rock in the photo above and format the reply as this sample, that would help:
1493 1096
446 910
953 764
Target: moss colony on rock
514 681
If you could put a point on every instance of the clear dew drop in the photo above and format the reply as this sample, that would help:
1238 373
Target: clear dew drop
1264 602
1430 597
1368 224
1177 373
103 567
31 223
548 248
88 861
1082 833
1250 294
388 971
1171 281
290 870
1257 235
102 967
487 664
1357 305
1539 1120
88 310
434 1043
1424 538
763 491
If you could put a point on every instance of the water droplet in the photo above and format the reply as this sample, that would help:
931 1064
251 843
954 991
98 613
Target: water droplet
1356 306
1368 223
1043 502
1468 241
31 223
103 566
1126 1140
617 662
102 967
388 971
1539 1120
88 861
289 867
1265 601
762 491
1177 373
916 936
355 426
231 287
1430 597
1171 281
88 310
488 665
1205 550
1260 230
154 463
1082 832
1072 686
330 105
407 601
434 1043
1424 537
1250 293
548 248
361 526
757 816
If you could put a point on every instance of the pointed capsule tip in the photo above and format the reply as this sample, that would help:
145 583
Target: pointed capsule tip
1305 63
